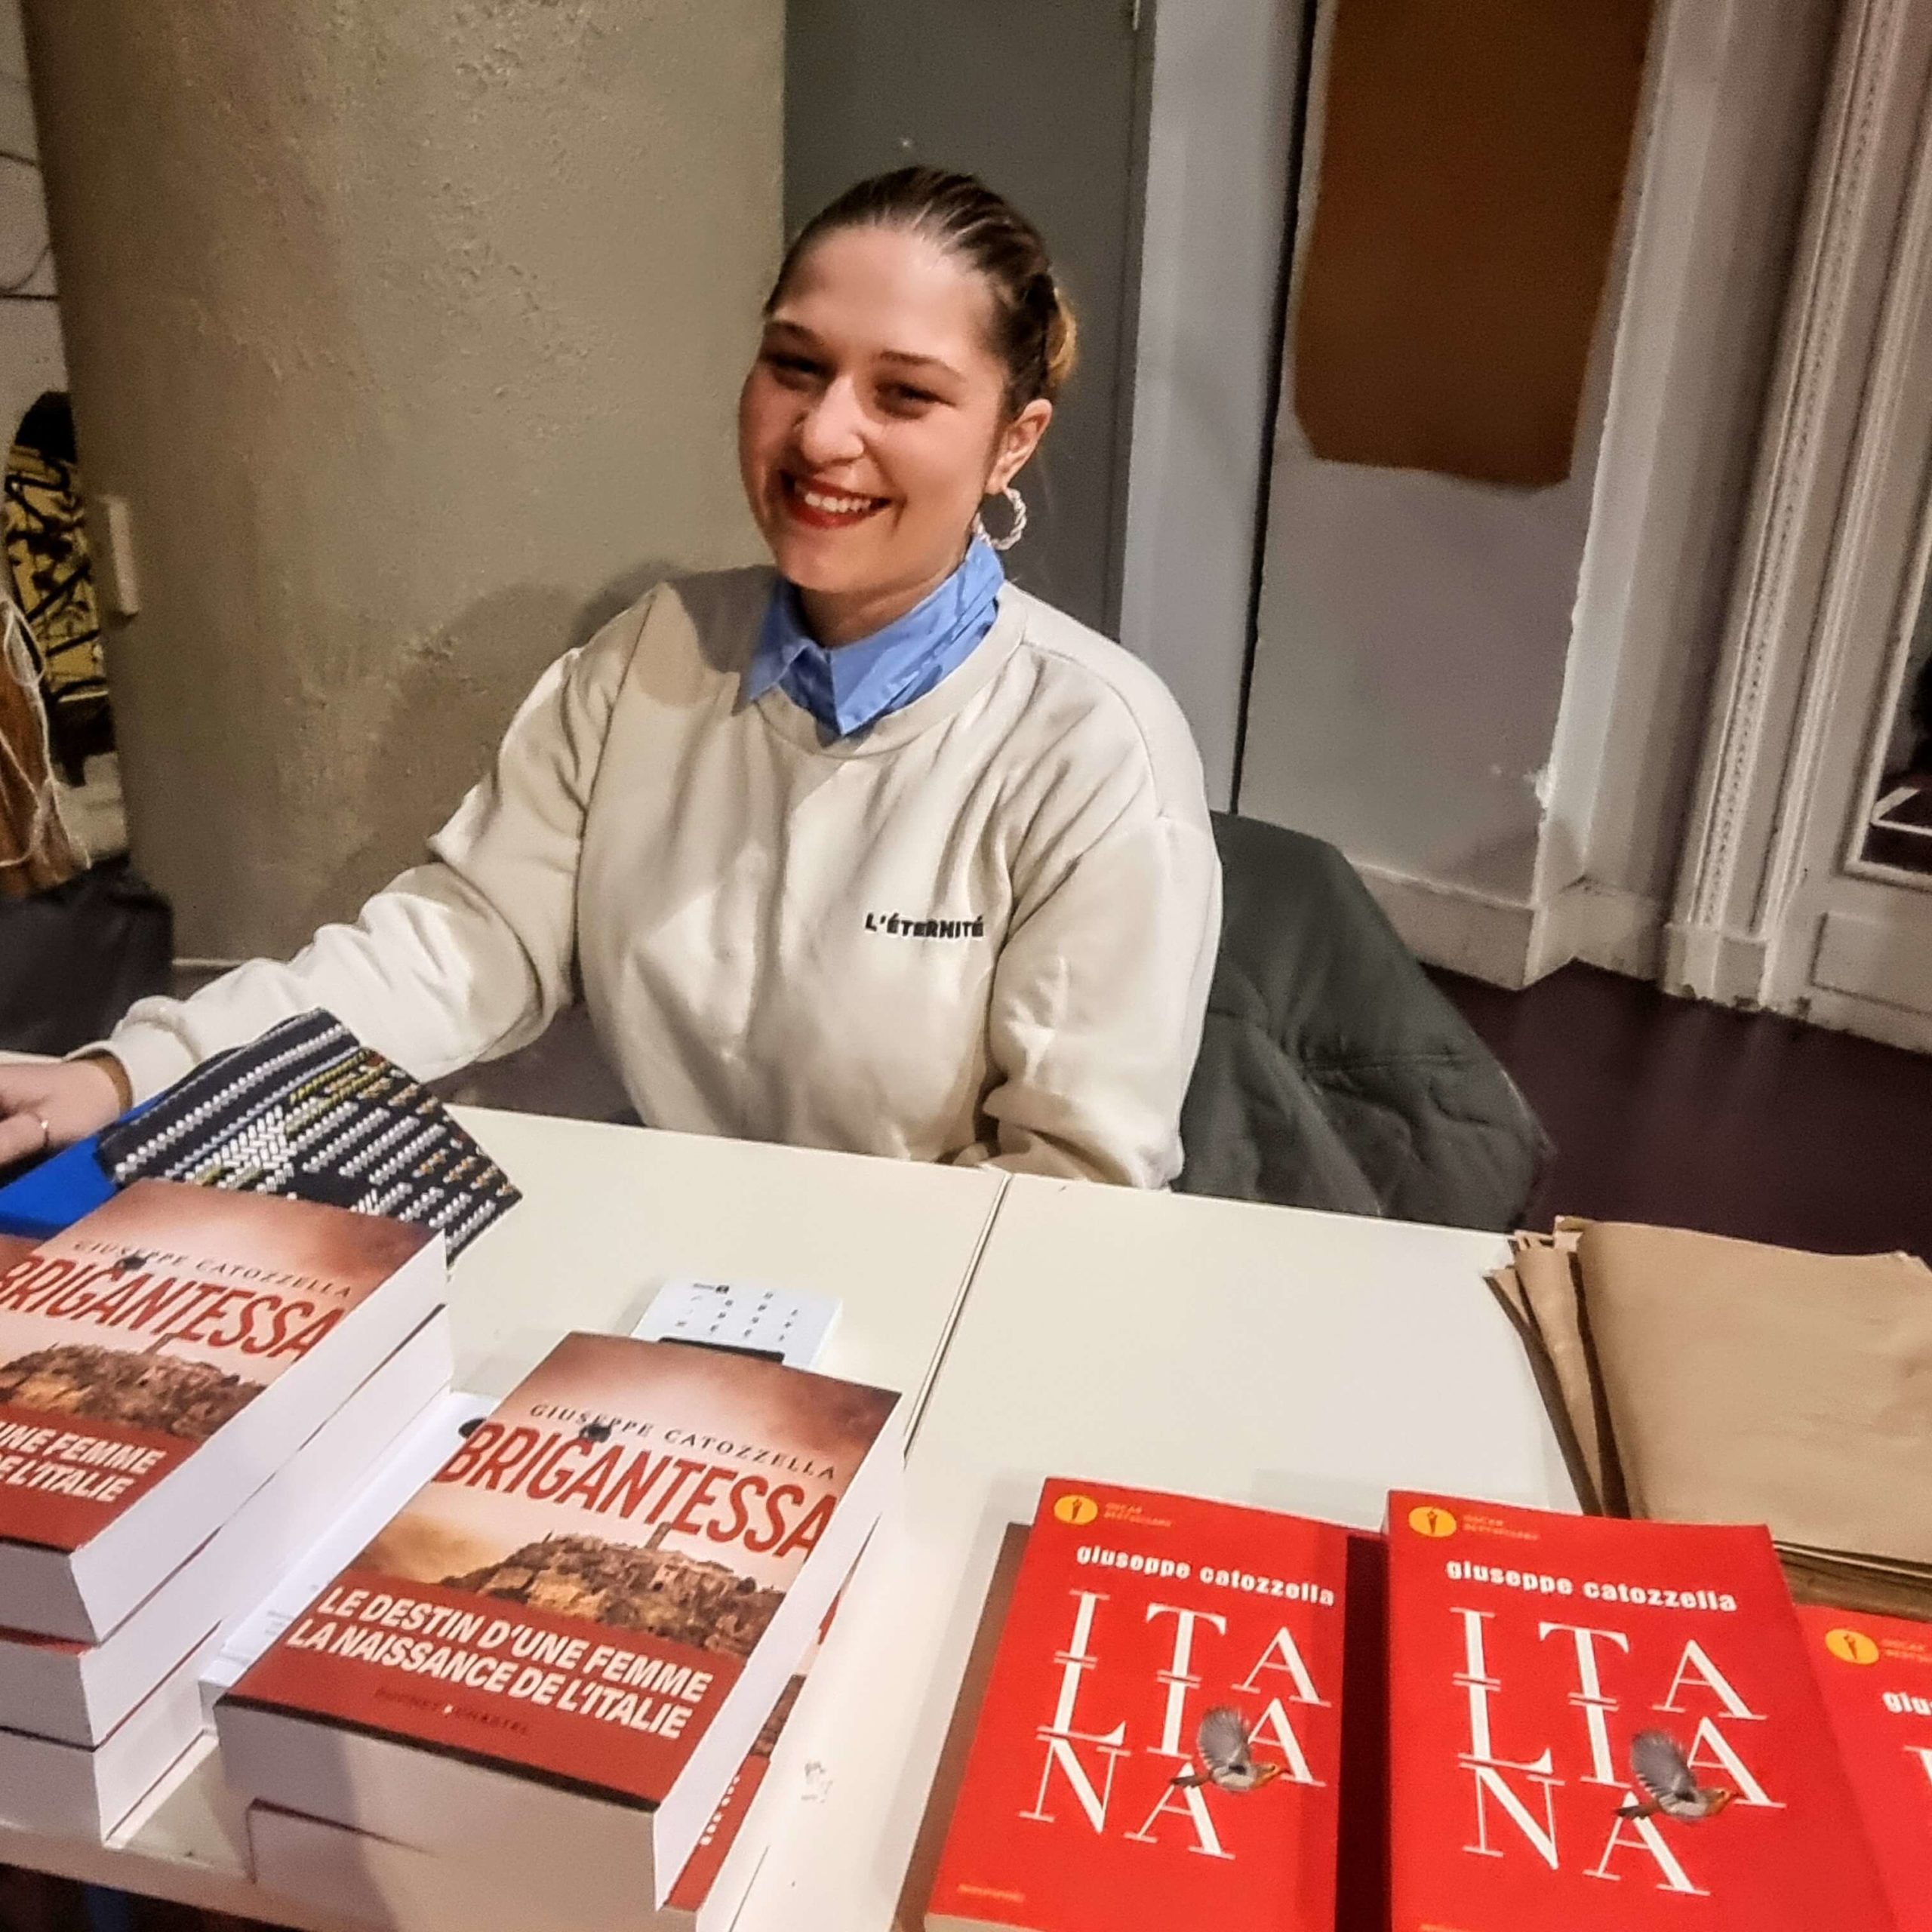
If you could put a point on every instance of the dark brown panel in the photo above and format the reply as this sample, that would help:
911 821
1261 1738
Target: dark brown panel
1471 163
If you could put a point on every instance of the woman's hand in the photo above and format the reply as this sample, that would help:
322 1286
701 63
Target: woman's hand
52 1103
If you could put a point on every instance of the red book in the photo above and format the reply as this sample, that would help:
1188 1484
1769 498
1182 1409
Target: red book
161 1358
1550 1677
354 1877
563 1646
1139 1622
1876 1675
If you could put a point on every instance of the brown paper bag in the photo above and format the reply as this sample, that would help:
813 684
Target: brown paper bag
1506 1284
1746 1383
1545 1269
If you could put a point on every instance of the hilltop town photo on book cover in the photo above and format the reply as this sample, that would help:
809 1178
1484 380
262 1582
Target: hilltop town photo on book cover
684 1517
171 1308
131 1340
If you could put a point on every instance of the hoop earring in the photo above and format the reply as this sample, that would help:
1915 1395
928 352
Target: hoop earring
1018 504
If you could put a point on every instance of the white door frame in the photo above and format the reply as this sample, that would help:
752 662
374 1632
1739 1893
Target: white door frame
1226 91
1752 824
1853 943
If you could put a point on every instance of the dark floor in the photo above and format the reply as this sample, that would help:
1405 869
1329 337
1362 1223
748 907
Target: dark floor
1742 1124
32 1903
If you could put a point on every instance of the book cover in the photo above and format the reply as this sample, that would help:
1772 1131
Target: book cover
1875 1673
694 1883
130 1339
1159 1742
575 1592
1606 1725
57 1687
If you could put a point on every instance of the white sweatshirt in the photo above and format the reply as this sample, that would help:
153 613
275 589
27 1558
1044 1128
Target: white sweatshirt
981 930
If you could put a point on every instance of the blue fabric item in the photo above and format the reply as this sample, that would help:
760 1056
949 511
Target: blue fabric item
55 1194
856 685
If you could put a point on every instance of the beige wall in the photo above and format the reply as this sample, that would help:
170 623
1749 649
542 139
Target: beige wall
411 330
30 358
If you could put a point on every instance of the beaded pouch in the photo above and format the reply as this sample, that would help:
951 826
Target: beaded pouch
307 1110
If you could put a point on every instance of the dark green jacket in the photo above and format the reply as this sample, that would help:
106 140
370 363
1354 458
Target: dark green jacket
1332 1074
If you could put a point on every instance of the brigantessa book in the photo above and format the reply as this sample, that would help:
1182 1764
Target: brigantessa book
1160 1742
162 1358
600 1595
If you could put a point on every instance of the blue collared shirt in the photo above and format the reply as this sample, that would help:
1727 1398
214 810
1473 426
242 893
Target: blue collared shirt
853 685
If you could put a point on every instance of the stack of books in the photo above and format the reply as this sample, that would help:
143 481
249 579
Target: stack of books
1199 1714
543 1690
191 1382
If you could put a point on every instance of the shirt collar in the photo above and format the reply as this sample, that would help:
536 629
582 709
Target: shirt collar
855 685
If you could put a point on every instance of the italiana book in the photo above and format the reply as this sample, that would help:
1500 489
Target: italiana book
565 1644
159 1361
1160 1741
1876 1675
54 1687
1607 1726
354 1877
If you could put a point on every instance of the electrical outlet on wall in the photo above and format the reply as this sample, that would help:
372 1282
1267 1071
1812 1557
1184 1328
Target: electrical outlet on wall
781 1325
111 541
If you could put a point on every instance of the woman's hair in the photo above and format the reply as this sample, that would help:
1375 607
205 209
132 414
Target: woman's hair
1034 332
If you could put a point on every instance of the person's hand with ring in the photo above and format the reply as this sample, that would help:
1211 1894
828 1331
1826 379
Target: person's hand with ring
46 1104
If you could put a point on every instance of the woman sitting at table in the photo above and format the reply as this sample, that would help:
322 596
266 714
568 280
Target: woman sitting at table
879 853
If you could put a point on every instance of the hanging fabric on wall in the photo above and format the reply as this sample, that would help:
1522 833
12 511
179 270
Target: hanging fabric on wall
1471 159
35 849
52 578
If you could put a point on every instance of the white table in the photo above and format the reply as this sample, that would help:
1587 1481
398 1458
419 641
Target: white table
1305 1361
609 1213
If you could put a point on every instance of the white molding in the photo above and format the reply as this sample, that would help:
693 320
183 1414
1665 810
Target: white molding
1509 943
1872 1020
1726 907
1600 925
1707 962
1223 95
1895 368
1455 926
1874 959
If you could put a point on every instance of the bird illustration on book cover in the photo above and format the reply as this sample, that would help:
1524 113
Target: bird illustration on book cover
1606 1726
1225 1744
1160 1740
1661 1767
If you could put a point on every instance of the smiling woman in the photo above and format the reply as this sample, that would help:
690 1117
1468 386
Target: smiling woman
913 348
868 850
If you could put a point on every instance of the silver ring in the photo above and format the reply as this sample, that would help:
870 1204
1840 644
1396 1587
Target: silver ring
46 1132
